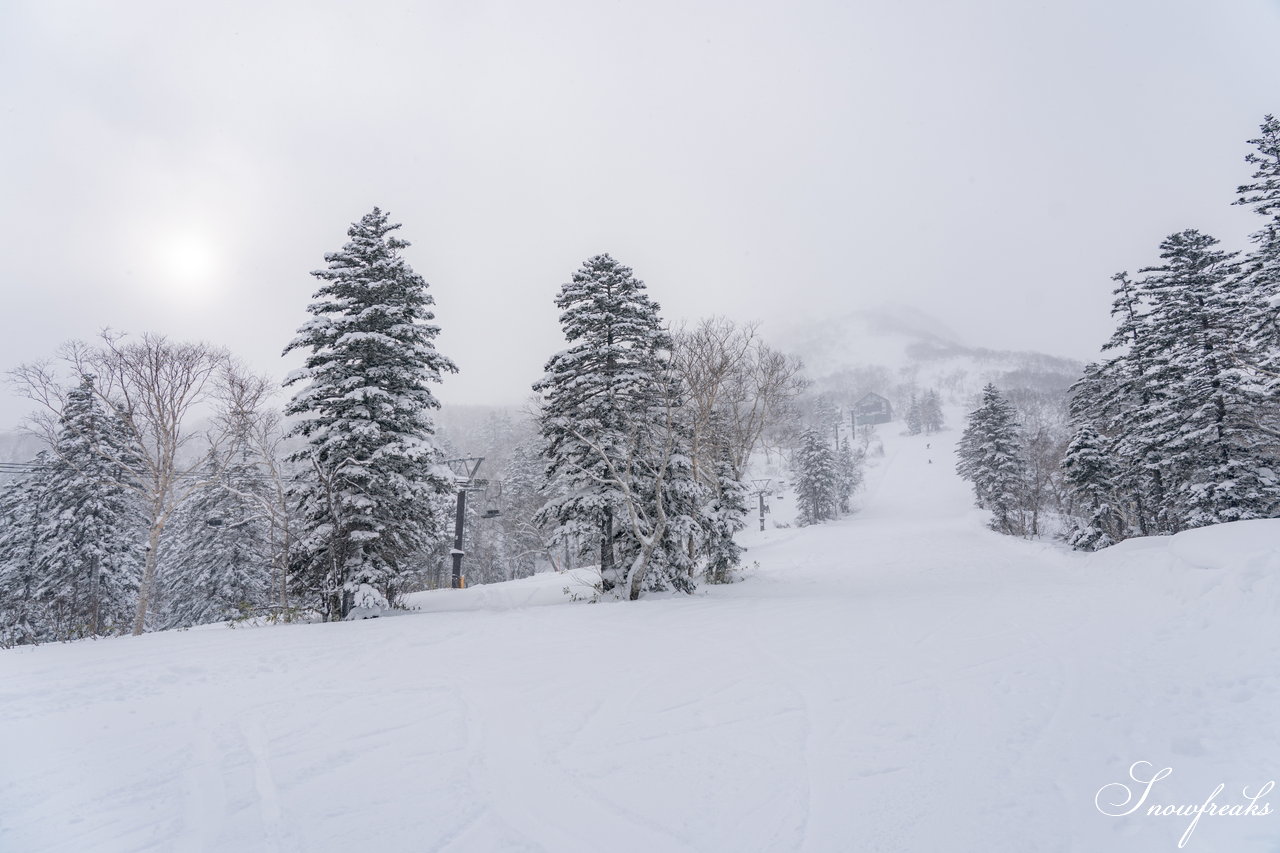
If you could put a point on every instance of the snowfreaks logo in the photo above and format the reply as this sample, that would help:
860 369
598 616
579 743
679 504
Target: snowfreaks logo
1118 799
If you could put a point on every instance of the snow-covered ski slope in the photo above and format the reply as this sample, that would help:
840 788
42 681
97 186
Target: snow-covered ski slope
901 680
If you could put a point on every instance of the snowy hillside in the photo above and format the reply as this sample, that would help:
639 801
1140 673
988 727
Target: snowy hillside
901 680
875 349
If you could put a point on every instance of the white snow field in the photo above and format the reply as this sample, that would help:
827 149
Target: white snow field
901 680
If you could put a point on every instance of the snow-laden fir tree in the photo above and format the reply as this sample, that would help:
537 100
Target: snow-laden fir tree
23 619
726 508
816 478
848 475
1092 475
370 468
1219 468
989 457
1260 271
1263 192
606 419
727 514
931 411
92 527
915 420
217 559
1118 398
1183 407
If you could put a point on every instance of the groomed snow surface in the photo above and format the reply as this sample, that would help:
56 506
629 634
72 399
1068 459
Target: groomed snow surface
901 680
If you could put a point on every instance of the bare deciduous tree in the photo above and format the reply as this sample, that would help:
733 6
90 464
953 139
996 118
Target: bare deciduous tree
728 369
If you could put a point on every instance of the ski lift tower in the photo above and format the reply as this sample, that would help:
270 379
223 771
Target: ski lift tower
761 489
464 476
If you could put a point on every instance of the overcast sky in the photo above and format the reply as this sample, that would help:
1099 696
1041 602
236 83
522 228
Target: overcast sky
181 167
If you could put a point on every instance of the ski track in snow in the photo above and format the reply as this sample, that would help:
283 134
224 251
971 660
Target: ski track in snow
899 680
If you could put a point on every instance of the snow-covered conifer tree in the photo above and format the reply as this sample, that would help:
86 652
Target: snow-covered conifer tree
915 419
726 514
1182 409
1091 475
1118 397
370 468
1260 272
602 407
989 457
848 475
217 561
22 502
1220 469
93 524
931 411
817 479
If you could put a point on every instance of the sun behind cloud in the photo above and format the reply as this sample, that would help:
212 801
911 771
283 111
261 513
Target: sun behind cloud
187 271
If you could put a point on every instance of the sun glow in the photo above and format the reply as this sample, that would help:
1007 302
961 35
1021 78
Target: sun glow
187 270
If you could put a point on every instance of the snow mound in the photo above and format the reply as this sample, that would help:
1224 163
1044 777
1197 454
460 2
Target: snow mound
1240 545
541 590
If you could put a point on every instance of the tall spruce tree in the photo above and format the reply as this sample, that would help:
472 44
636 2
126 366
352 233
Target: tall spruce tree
1263 192
1218 468
371 469
1092 477
931 411
726 514
915 417
1119 398
1260 271
817 478
601 406
93 524
1182 408
848 475
23 619
989 457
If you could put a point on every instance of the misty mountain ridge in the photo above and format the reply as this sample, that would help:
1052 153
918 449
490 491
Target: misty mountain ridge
893 349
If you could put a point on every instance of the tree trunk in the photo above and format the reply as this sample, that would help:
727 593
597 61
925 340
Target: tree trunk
606 551
635 577
640 567
148 575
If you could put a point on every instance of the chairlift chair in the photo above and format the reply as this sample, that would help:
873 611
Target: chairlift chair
492 492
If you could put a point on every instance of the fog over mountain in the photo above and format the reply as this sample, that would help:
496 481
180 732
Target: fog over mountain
891 348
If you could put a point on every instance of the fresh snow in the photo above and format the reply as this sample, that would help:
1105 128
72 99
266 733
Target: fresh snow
899 680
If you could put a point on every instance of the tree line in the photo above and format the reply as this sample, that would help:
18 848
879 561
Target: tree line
1176 426
174 490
